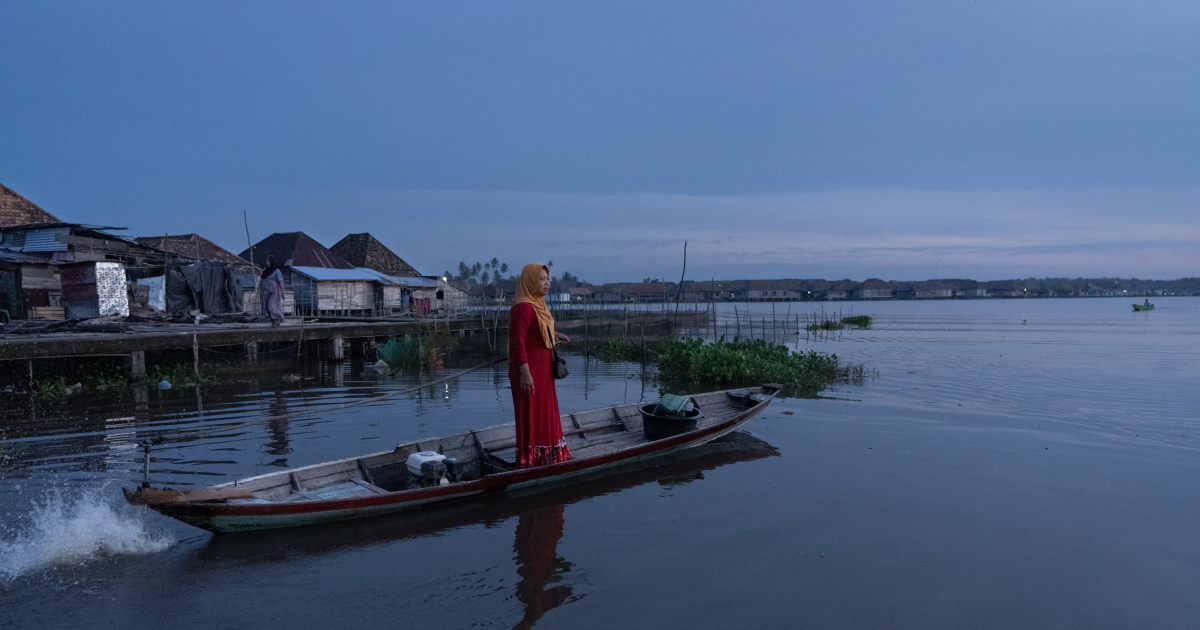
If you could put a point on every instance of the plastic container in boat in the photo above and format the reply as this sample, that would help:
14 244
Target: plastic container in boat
657 427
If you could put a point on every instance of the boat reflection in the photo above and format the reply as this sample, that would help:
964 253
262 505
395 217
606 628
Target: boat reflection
540 515
285 544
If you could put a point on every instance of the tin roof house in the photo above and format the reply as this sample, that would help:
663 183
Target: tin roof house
322 282
408 289
34 244
326 284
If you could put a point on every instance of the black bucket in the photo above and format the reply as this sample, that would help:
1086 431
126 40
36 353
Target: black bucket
659 427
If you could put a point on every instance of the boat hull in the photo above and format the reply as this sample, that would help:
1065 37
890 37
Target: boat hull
222 516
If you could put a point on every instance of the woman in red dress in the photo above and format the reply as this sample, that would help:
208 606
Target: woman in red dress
531 339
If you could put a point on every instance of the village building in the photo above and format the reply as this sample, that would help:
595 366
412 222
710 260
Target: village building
17 210
193 247
873 289
700 290
401 284
842 290
325 284
364 250
962 288
902 290
1005 288
814 289
610 293
932 290
193 250
649 291
34 245
773 291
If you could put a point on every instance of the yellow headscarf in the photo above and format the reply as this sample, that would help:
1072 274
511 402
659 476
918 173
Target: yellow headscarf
529 292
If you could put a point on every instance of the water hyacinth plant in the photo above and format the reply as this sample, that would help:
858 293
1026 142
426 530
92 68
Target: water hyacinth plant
751 361
416 352
859 321
733 363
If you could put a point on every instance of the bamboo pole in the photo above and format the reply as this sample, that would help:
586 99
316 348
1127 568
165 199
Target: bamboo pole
679 291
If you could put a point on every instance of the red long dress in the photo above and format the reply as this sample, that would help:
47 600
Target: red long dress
539 428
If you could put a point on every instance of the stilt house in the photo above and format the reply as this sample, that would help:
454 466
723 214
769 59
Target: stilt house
34 244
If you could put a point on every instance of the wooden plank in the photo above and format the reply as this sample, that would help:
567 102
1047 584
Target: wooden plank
362 468
369 486
625 440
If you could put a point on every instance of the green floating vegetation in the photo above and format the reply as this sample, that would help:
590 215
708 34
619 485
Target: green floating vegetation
732 363
752 361
180 375
416 352
860 321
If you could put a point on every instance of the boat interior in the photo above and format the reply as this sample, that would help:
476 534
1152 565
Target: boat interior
474 454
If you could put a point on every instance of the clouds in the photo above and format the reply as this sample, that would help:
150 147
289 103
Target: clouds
913 134
895 234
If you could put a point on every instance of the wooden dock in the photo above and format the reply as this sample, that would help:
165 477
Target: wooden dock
331 339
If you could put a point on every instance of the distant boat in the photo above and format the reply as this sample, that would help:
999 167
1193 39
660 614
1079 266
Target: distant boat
1144 307
482 461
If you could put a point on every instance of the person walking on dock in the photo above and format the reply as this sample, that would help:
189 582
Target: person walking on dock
530 350
270 290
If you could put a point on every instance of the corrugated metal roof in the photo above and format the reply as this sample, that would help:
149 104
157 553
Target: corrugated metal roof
38 240
322 273
325 273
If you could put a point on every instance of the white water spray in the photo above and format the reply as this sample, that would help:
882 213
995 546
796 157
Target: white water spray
73 531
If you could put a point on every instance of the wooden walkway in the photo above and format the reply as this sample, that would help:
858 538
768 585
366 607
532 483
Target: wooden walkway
155 337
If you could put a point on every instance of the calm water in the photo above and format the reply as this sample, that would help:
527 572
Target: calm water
1014 464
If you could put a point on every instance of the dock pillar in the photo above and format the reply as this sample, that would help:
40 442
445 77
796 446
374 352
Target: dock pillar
252 352
137 364
335 352
357 349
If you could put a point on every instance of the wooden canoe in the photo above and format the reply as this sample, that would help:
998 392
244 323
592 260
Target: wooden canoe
379 483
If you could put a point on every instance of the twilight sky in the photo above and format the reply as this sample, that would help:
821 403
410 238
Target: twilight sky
891 139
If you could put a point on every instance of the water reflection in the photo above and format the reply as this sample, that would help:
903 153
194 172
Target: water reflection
277 428
538 563
547 580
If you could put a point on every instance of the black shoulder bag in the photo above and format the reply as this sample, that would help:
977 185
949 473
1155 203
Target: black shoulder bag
558 366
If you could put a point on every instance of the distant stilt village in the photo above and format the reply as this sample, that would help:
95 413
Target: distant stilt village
51 269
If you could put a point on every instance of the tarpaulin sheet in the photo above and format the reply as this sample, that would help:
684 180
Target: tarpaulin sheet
158 292
208 288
